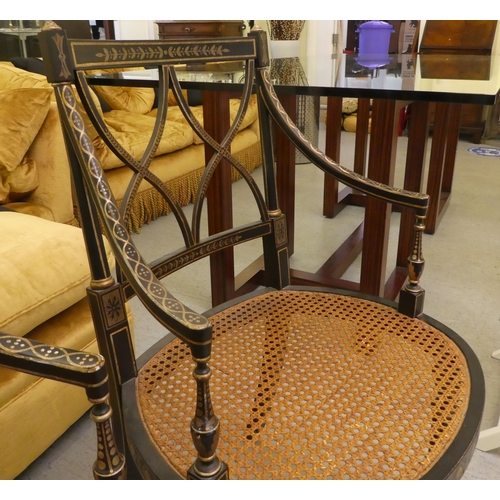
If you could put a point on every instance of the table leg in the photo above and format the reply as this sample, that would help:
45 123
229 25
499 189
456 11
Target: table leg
333 201
217 119
442 161
381 165
418 135
361 141
451 147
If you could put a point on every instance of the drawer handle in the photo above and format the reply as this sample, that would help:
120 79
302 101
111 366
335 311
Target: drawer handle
187 29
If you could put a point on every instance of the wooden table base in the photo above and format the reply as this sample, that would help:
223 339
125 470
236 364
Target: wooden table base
371 237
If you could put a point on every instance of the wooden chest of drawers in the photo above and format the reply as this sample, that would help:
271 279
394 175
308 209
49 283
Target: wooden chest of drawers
472 121
199 29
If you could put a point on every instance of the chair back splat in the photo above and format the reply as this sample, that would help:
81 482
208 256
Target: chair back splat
290 382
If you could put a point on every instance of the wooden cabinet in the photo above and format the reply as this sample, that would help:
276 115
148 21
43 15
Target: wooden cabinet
199 29
458 37
472 120
473 38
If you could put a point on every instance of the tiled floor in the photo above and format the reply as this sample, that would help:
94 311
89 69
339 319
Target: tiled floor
461 278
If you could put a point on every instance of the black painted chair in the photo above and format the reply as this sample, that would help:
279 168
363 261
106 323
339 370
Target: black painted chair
304 382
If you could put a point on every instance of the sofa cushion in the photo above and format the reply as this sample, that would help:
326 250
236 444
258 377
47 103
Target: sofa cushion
134 99
174 114
35 65
24 104
31 64
16 184
133 132
44 270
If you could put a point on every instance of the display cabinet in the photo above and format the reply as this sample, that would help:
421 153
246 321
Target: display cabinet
19 39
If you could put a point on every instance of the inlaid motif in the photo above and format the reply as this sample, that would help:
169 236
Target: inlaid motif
59 42
281 234
26 348
157 53
113 308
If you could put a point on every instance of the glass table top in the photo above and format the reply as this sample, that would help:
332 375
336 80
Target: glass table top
471 79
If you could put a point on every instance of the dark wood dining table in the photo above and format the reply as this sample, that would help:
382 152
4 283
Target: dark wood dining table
382 91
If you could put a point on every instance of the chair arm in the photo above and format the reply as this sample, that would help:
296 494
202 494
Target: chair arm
67 365
416 201
77 368
182 321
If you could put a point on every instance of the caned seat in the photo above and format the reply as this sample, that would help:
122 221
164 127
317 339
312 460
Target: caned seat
290 382
324 393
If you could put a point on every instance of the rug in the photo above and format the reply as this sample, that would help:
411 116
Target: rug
485 151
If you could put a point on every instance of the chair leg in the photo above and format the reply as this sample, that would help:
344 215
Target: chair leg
205 429
110 463
411 297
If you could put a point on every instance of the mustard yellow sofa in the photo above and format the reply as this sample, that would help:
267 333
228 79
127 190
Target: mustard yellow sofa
43 268
129 113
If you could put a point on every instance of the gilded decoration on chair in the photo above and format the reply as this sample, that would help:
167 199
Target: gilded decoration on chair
25 348
59 40
194 253
280 231
128 52
113 307
134 260
110 462
152 53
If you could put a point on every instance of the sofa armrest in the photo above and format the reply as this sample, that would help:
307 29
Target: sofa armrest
49 152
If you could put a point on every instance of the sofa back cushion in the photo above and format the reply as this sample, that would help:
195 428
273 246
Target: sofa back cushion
24 104
18 183
174 114
134 99
133 131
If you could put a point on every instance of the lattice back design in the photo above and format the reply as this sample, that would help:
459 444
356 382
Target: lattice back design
195 248
167 80
76 58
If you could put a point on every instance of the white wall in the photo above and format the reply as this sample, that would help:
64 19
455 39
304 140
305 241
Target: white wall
319 42
136 30
316 38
